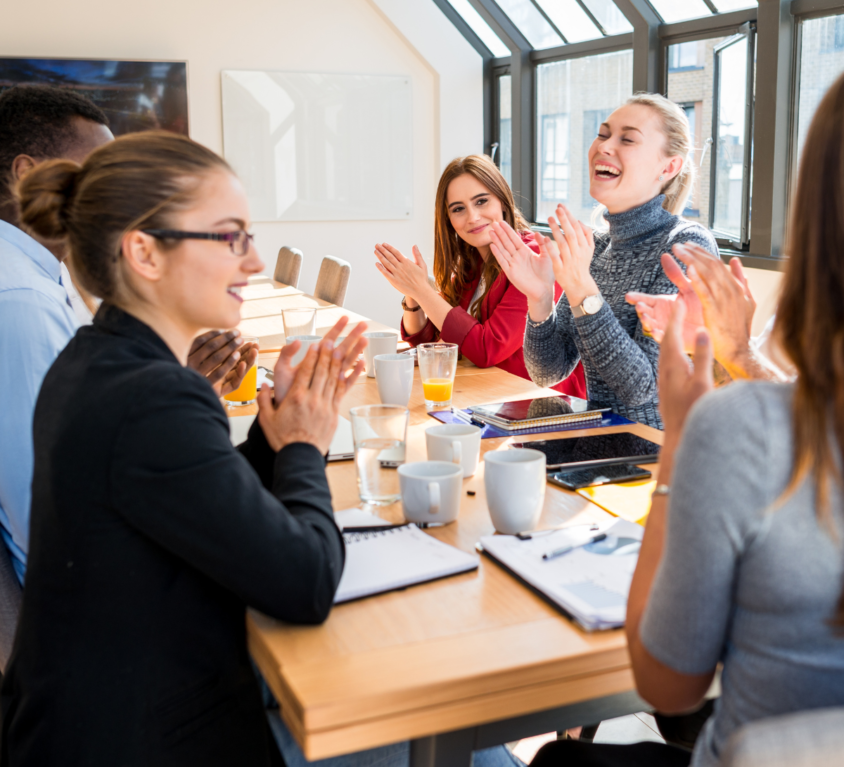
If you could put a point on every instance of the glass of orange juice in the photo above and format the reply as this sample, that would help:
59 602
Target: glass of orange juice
437 365
247 392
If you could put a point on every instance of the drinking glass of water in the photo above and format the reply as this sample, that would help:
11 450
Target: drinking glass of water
380 435
299 322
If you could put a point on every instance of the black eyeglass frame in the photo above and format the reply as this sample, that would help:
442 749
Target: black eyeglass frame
241 237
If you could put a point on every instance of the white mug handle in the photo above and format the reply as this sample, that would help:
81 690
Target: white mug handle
457 451
433 497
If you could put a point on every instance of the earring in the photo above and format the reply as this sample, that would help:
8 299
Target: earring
661 177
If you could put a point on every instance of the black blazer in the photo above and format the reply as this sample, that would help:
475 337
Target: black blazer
150 535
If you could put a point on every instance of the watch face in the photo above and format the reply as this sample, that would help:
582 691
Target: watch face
591 304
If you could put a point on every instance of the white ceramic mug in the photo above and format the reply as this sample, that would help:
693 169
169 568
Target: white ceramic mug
515 488
430 491
459 443
379 343
303 349
394 378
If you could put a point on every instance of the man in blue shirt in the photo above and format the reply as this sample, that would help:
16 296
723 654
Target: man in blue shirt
36 320
39 123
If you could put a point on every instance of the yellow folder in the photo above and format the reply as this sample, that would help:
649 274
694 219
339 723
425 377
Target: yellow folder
629 500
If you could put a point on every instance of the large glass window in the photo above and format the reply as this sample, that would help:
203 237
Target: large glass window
505 128
480 27
554 171
531 23
685 56
573 98
570 19
680 10
609 17
821 62
730 176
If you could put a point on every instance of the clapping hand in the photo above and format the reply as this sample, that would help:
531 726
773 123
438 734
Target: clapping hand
408 277
682 384
572 256
351 349
305 404
655 311
532 274
222 358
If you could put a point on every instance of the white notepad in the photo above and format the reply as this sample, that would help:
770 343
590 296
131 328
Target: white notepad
590 583
393 559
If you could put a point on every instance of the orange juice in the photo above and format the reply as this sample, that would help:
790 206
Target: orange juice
248 389
437 389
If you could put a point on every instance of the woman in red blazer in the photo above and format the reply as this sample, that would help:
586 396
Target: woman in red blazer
470 302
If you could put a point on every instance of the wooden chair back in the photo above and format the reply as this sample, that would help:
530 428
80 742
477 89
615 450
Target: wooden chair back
288 266
333 280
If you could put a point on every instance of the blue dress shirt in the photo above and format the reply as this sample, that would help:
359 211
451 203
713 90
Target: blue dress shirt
36 323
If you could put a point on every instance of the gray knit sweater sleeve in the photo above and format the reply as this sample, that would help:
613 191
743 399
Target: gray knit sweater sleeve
620 362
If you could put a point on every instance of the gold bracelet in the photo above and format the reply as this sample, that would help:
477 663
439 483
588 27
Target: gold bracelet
661 490
409 308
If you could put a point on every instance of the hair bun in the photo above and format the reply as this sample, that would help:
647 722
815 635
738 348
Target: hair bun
45 195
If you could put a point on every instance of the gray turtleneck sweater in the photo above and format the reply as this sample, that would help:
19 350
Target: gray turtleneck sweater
620 362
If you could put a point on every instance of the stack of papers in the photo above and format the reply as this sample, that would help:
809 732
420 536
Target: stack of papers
589 583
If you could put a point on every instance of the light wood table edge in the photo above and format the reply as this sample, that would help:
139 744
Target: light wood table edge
474 711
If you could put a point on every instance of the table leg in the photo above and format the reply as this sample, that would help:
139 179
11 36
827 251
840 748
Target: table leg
449 749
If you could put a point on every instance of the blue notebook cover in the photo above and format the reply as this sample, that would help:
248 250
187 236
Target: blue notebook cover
488 431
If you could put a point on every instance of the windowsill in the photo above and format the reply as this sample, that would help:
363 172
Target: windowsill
672 70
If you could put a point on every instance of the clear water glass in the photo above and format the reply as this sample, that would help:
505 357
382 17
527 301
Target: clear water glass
380 435
437 366
299 322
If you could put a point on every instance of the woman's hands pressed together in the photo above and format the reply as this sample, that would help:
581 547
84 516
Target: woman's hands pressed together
304 406
406 276
572 257
532 274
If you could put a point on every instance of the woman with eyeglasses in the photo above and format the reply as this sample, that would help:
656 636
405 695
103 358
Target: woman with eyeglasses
151 534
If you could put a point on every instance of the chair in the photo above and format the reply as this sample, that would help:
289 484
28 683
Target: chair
288 266
332 280
10 605
807 739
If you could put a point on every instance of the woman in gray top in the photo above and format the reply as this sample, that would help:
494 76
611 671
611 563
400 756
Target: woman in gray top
641 170
742 560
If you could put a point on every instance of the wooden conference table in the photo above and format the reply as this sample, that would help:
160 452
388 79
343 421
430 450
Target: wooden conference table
464 663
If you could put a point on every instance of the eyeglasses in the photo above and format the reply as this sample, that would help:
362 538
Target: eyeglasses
238 241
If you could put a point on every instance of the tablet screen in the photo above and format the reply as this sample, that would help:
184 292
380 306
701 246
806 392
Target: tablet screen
616 448
542 407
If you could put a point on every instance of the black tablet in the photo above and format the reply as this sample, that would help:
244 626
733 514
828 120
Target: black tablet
595 450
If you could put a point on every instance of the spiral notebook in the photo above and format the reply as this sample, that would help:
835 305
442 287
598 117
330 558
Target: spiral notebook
385 560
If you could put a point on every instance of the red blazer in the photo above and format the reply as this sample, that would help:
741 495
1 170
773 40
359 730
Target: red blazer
498 338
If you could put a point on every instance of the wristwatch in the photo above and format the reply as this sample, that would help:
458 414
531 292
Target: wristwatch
590 305
409 308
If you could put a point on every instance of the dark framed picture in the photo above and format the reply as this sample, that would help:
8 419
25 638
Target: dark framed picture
135 95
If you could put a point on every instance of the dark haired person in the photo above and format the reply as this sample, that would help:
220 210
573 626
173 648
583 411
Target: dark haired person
150 533
473 304
38 123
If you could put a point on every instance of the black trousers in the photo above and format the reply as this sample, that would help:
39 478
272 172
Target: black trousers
574 753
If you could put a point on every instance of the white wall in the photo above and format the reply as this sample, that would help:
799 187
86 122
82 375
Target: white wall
354 36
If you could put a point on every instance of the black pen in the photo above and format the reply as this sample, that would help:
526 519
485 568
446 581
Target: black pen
372 528
571 547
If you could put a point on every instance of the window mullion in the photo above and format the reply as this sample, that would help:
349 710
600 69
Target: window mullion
549 20
592 18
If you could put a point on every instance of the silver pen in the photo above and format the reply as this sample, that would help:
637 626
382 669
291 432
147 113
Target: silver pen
566 549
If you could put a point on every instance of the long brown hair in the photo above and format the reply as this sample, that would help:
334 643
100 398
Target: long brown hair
810 315
455 261
137 181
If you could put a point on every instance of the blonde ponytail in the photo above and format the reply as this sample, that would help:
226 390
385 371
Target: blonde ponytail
678 142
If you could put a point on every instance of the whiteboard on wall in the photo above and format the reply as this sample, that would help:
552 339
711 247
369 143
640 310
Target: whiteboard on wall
317 147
